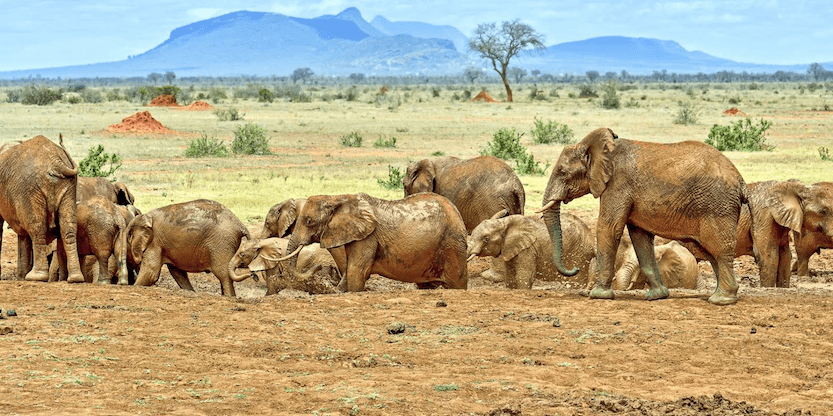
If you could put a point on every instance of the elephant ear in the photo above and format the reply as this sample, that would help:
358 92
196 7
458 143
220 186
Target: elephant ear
598 158
425 168
269 251
353 219
288 215
123 195
141 233
519 235
786 205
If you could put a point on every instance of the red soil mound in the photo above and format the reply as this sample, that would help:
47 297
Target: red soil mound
383 90
141 122
197 106
164 100
734 112
484 96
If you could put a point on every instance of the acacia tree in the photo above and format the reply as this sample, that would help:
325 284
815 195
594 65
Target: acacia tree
499 45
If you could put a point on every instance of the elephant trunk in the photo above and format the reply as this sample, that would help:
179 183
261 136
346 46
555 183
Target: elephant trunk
293 248
121 257
232 271
552 217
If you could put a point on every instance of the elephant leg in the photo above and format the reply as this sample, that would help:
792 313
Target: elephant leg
40 265
721 256
181 278
24 255
643 245
455 271
105 276
150 267
785 258
68 228
359 262
803 251
524 268
607 243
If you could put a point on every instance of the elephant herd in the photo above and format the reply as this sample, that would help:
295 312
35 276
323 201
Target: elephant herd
687 194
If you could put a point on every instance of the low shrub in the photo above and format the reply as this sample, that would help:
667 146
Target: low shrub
505 144
34 95
394 180
586 91
526 165
687 113
352 139
250 139
742 135
551 132
93 164
205 146
610 99
232 114
382 142
824 154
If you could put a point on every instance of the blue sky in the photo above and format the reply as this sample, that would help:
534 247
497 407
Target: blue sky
41 34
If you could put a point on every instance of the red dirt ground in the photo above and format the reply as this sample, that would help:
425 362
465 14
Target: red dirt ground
92 349
484 96
141 122
164 100
197 106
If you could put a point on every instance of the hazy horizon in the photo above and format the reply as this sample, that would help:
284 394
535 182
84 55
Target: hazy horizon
45 34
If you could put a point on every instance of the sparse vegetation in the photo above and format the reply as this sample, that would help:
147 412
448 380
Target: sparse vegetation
250 139
394 179
610 99
687 113
352 139
205 146
382 142
231 114
824 154
93 164
742 135
505 144
551 132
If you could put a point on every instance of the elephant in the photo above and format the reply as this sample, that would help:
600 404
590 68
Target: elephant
316 269
195 236
38 181
682 191
116 193
817 231
481 188
419 239
677 266
524 244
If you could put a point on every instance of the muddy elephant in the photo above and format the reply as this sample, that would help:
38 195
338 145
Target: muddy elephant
682 191
419 239
481 188
316 271
189 237
102 232
677 266
38 181
817 231
280 220
116 193
523 243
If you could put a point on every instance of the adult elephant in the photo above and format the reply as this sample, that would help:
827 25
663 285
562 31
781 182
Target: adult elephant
818 235
190 237
116 193
38 180
420 239
480 188
524 245
102 233
677 266
682 191
316 269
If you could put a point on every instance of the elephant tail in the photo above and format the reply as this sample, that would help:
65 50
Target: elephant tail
746 198
518 199
66 167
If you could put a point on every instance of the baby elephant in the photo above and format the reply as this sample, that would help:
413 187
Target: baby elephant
677 266
316 271
196 236
524 244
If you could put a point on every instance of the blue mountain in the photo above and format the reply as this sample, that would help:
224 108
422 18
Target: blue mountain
266 44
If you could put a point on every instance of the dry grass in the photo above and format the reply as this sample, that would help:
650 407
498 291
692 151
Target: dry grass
308 158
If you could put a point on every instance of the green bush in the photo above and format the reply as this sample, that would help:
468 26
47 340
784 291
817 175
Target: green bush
34 95
250 139
505 144
824 154
394 180
740 136
92 96
265 96
205 146
687 113
586 91
93 164
610 99
351 140
381 142
232 114
526 165
551 132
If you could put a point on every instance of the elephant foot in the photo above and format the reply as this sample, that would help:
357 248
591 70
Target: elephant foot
721 299
601 293
37 276
76 278
656 293
103 281
124 282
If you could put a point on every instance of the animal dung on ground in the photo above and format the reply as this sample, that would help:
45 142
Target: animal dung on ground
141 122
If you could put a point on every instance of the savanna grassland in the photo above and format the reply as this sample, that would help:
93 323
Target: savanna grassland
395 350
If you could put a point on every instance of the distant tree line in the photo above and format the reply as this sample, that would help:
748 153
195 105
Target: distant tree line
815 73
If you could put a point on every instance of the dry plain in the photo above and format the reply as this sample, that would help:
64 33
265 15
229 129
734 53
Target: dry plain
89 349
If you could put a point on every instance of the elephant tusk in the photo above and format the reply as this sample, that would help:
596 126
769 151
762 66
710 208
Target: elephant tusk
545 207
292 254
471 257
